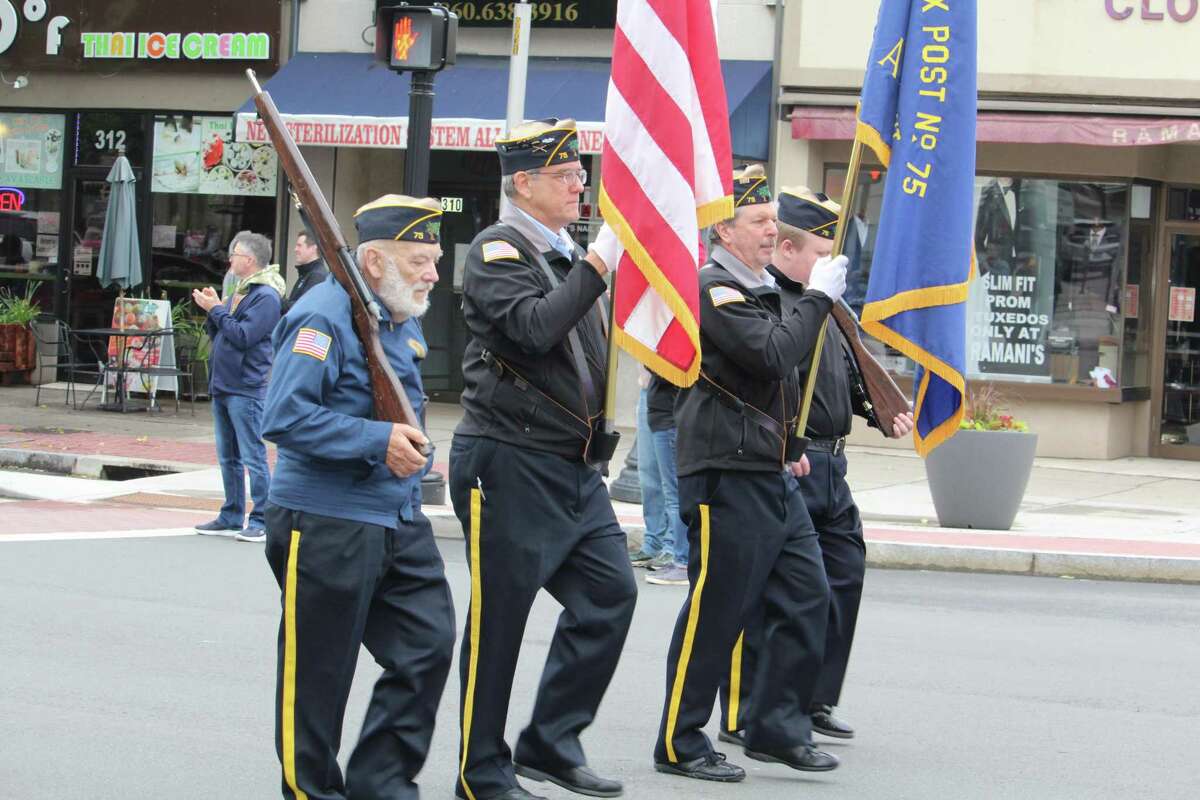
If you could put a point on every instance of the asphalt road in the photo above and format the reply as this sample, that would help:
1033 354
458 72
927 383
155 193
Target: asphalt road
144 669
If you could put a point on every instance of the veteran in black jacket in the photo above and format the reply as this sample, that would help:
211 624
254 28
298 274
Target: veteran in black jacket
534 512
751 541
807 224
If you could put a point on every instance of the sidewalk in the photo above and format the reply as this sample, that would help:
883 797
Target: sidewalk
1130 519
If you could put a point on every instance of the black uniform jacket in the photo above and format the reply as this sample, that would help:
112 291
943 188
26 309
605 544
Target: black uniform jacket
311 274
838 394
749 355
521 382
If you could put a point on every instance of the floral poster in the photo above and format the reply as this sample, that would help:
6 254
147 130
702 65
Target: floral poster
134 314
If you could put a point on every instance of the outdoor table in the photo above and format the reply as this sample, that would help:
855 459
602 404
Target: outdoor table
122 369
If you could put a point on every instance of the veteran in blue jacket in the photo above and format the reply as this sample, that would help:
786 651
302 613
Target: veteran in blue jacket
353 554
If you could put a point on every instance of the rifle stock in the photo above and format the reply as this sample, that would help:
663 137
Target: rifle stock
887 401
391 402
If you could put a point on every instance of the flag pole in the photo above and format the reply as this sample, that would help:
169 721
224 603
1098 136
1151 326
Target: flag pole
849 195
610 384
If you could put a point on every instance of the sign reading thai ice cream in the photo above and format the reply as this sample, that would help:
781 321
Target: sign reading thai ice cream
102 35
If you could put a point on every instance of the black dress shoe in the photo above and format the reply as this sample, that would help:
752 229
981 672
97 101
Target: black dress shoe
515 793
803 757
826 724
712 767
580 780
732 737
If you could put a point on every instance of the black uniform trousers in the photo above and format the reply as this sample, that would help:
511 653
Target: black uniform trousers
531 520
346 584
839 529
752 545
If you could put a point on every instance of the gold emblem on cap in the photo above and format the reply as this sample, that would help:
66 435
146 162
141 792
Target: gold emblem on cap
755 175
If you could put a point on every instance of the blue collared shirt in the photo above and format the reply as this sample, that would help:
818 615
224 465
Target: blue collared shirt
560 241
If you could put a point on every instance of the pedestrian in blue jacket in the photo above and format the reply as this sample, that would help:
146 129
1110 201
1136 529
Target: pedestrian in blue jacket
353 555
239 365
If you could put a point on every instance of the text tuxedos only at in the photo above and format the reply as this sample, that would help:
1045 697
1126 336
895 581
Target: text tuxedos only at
752 544
534 515
354 557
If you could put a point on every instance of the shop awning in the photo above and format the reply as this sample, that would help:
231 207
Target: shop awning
348 100
823 122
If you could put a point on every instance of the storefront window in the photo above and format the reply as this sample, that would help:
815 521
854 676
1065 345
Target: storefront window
1183 204
1052 258
31 169
100 135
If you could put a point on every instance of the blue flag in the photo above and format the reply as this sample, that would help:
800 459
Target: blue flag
918 113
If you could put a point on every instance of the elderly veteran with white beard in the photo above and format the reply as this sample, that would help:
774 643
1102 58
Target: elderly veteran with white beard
353 554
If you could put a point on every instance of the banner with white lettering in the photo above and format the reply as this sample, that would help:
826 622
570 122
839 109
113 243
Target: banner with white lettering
318 130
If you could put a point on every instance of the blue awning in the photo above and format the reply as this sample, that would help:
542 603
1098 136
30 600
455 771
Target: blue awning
335 94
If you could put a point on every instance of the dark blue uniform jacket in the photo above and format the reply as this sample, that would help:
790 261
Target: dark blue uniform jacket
319 406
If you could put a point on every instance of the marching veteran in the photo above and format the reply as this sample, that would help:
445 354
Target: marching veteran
534 511
752 543
807 226
352 552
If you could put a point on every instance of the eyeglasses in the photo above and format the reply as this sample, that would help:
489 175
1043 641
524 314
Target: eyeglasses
232 256
567 177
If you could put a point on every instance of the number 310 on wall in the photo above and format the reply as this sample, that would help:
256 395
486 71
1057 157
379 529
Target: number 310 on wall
33 11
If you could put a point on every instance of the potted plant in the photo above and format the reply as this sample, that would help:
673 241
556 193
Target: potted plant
978 477
192 345
18 348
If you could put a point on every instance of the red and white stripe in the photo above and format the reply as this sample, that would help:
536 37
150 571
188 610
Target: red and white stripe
666 173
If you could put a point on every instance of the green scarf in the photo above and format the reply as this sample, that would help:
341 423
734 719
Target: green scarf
268 276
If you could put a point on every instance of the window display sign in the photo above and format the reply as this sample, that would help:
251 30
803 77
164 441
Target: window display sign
139 35
1183 304
197 155
31 150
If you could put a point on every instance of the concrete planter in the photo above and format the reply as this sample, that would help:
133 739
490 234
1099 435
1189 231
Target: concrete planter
978 478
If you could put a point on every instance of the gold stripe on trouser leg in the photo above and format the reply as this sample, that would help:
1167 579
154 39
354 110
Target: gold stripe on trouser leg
735 684
476 621
689 637
289 668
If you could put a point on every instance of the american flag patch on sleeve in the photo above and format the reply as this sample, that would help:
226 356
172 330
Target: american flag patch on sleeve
500 250
721 295
311 342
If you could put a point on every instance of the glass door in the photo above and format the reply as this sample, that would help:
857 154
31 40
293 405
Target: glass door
1179 414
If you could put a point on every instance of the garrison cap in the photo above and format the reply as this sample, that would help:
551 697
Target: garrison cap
809 211
750 187
401 219
538 144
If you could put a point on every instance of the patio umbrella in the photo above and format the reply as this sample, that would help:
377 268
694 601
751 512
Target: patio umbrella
120 253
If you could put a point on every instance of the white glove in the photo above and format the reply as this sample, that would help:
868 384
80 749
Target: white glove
607 248
828 276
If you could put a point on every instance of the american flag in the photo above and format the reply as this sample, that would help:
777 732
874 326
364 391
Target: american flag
312 342
666 173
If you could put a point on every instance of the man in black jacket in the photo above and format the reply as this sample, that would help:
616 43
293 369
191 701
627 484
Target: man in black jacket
310 269
533 511
807 224
752 542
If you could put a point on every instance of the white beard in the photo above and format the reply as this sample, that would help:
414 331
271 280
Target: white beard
399 295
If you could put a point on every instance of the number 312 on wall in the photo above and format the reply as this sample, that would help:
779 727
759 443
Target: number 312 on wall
33 11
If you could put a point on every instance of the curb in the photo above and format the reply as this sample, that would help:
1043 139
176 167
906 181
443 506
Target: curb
1001 561
87 466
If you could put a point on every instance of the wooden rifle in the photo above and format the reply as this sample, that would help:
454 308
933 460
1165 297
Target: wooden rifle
884 400
391 402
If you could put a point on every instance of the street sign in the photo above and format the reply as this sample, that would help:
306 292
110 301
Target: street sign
416 39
